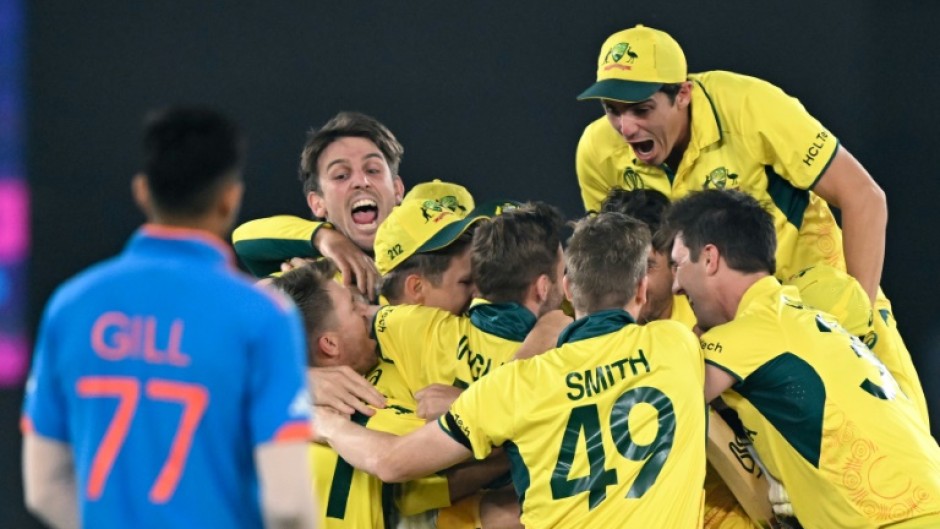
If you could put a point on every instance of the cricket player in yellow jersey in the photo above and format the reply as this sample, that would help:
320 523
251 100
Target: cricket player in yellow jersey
337 325
722 510
517 267
349 171
675 132
828 419
605 431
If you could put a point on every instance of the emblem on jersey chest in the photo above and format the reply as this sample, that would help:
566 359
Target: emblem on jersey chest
721 178
632 179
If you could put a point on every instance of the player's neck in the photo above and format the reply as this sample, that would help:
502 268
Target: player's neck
734 289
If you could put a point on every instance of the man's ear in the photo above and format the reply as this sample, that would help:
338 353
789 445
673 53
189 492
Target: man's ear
641 289
413 289
328 343
543 285
140 190
684 97
710 257
317 205
566 286
399 189
231 201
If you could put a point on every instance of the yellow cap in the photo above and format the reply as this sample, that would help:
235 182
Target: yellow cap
430 217
836 292
635 63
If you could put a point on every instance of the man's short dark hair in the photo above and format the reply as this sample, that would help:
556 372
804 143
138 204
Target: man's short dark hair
646 205
513 249
671 90
735 222
345 125
188 153
307 286
606 259
429 265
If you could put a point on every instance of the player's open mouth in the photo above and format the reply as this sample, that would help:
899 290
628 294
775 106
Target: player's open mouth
365 212
643 149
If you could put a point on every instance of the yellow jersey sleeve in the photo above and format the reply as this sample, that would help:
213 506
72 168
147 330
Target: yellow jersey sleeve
601 155
263 244
789 139
482 416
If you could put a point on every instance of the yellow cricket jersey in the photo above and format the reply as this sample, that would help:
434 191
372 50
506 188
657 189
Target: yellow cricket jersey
839 294
746 134
607 430
433 346
263 244
349 498
682 311
828 419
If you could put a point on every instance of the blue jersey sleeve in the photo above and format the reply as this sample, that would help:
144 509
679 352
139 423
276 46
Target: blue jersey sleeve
44 408
279 400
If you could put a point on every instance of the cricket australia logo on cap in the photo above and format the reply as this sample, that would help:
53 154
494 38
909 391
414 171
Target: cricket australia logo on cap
721 178
438 208
619 51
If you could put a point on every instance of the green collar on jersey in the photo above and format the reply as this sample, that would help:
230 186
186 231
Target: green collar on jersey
597 324
509 321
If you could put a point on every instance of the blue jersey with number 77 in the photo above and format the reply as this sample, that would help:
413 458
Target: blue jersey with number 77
164 369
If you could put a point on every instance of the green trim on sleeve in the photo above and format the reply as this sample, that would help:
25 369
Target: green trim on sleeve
828 163
263 257
725 369
449 425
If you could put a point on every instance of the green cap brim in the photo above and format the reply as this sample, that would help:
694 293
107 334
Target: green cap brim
620 90
451 232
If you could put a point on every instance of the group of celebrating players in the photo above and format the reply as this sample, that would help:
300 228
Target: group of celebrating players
709 270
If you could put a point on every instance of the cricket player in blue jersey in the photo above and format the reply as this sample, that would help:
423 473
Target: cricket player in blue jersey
166 389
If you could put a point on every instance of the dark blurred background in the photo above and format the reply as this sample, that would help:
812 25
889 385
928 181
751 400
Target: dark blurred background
481 93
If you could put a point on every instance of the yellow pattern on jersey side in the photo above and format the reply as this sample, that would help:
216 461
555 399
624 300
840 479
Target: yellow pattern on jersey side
828 418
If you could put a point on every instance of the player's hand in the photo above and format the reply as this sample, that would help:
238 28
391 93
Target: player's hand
343 390
544 335
295 262
325 421
435 400
351 261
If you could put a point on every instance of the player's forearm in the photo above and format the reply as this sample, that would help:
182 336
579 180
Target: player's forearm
360 447
49 482
286 492
864 224
465 479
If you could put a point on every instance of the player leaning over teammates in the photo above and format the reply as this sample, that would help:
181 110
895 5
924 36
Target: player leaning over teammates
337 324
167 390
721 509
676 132
605 431
828 418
